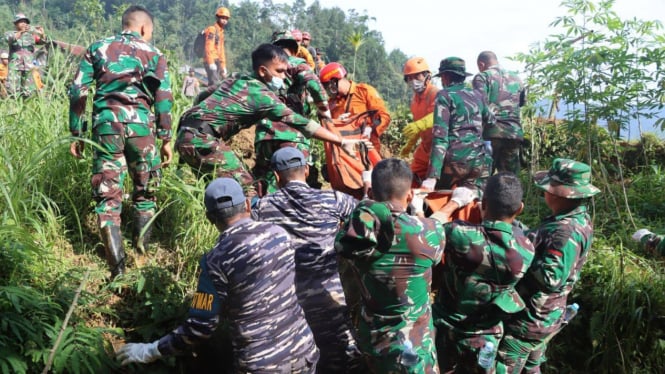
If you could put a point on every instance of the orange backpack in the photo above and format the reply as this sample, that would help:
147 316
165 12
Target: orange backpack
344 171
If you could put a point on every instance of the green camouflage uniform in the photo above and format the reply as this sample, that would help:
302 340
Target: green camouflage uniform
392 254
653 243
504 93
223 111
562 243
482 264
20 80
458 153
130 77
270 136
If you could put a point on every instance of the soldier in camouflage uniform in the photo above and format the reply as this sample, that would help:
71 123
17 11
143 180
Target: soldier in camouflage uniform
249 278
482 264
562 243
270 136
313 217
458 154
653 243
130 76
236 104
392 254
22 41
504 92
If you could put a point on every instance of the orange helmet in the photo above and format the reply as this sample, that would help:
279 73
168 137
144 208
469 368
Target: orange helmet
415 65
223 12
297 34
333 70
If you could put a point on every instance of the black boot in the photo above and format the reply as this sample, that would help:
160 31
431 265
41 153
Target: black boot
115 254
141 243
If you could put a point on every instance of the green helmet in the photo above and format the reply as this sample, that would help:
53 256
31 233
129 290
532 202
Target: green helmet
285 39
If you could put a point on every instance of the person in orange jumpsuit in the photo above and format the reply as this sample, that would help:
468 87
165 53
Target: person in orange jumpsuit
215 57
4 71
419 78
303 52
347 98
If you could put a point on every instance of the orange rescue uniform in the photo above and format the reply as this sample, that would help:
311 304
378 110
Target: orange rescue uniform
214 47
4 70
422 104
304 54
361 98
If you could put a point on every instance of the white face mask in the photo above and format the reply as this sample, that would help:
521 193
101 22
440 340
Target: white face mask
417 86
276 83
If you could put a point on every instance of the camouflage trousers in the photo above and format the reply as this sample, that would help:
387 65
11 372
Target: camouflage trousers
506 155
470 173
518 355
383 346
262 171
209 156
458 350
20 82
322 299
117 154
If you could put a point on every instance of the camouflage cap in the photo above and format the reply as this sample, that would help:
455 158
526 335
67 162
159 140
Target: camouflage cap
223 193
567 178
453 65
21 16
284 39
287 158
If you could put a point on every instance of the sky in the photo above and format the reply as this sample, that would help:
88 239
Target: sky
438 29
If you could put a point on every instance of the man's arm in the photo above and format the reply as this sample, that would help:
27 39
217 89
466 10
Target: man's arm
375 102
78 95
557 251
210 56
163 99
440 141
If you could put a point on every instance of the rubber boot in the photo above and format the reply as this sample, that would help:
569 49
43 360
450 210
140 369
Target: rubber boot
115 254
141 243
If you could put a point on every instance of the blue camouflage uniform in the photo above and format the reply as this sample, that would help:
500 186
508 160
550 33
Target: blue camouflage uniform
313 217
249 278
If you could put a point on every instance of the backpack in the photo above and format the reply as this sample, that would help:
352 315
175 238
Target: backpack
345 172
200 44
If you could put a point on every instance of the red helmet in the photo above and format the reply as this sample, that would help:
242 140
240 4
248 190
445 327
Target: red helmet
297 35
333 70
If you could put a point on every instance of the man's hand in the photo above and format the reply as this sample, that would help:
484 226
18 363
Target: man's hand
76 148
344 116
428 184
463 196
225 73
418 203
139 352
414 128
639 234
166 153
212 67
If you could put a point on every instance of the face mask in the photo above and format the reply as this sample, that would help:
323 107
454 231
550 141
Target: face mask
417 86
276 83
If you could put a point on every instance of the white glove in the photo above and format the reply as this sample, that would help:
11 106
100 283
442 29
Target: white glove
428 184
463 196
349 146
224 72
344 116
212 67
139 352
417 203
367 176
639 234
488 146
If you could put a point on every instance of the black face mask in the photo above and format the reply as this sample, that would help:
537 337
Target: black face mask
331 88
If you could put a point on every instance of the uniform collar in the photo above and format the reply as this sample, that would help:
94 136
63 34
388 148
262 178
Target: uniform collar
558 217
498 225
132 33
